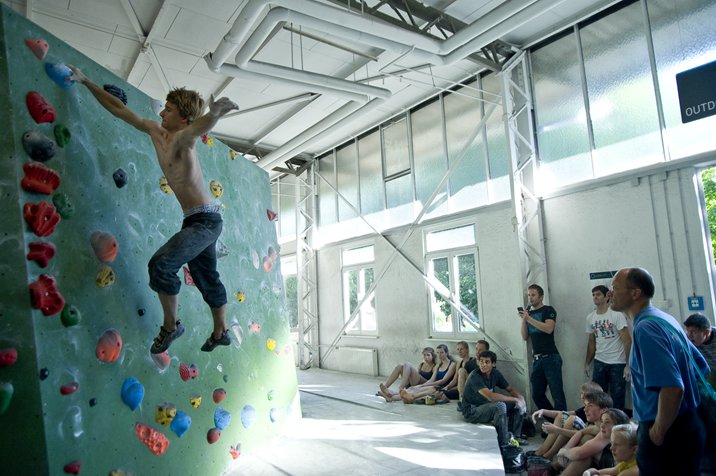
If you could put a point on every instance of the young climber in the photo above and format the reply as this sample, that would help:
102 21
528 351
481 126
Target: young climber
174 141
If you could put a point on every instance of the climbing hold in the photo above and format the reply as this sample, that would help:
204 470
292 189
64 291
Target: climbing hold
69 388
255 258
165 413
6 391
104 245
132 392
45 296
41 252
140 312
8 357
105 277
195 401
254 327
59 73
117 92
44 373
217 190
221 249
273 415
240 296
92 402
268 264
222 418
233 154
39 179
187 372
120 178
39 108
235 451
225 378
157 106
109 346
188 280
180 423
272 215
206 139
64 205
164 186
42 217
155 440
212 436
38 46
70 316
219 395
162 360
38 146
62 135
248 416
72 468
269 395
270 344
119 472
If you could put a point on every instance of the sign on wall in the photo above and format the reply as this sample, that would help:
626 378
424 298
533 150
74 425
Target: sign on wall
697 92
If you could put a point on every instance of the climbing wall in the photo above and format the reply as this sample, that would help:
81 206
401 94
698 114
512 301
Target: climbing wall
81 195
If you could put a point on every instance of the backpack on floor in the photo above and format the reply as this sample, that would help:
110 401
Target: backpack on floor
513 457
538 466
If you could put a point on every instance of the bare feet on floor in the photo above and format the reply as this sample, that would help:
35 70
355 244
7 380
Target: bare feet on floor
406 397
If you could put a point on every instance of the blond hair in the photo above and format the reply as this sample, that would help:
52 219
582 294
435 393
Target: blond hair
188 102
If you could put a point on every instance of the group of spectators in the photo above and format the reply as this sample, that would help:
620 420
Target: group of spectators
663 435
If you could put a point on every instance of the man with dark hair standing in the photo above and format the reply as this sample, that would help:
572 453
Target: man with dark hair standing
664 386
703 336
538 322
609 345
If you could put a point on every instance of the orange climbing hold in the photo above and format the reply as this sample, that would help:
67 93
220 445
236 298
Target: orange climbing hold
104 245
38 46
109 346
155 440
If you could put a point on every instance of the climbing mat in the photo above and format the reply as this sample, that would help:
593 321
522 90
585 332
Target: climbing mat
85 206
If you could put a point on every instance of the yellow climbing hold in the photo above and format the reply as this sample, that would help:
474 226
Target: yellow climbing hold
217 189
105 277
164 186
270 344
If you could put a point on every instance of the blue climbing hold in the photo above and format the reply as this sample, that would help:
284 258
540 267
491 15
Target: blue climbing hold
117 92
222 418
132 392
248 416
59 72
180 423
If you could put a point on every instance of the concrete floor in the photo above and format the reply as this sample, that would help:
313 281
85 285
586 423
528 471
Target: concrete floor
346 429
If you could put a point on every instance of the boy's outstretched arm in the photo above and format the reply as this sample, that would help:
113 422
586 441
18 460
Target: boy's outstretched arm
110 102
203 124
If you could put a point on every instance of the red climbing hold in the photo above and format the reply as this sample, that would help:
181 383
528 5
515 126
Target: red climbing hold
104 245
39 179
40 109
155 440
8 357
188 371
69 388
41 252
72 468
45 296
212 436
219 395
109 346
38 46
272 215
42 217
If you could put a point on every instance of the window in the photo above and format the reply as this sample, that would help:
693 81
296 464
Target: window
290 287
452 270
358 277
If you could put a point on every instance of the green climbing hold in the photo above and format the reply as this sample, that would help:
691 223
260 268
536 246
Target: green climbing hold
64 205
6 391
71 316
62 135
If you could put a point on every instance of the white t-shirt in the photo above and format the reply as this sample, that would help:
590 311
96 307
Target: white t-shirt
606 327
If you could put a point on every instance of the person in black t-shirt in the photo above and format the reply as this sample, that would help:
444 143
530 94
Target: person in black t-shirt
538 323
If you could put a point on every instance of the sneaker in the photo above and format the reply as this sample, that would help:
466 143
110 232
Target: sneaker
513 442
165 338
212 343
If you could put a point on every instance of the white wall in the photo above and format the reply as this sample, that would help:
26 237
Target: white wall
652 221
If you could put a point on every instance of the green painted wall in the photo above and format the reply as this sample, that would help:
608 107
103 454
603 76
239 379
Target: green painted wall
42 430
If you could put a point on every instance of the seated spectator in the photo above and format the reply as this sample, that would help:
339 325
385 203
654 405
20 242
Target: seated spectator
565 423
442 374
581 453
467 364
410 375
703 336
482 404
623 449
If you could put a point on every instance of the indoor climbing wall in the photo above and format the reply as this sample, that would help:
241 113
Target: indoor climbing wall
84 208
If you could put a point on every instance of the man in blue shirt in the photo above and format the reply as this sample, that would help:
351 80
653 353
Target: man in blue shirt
664 390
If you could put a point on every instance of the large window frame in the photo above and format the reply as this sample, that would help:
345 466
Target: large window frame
357 276
446 262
